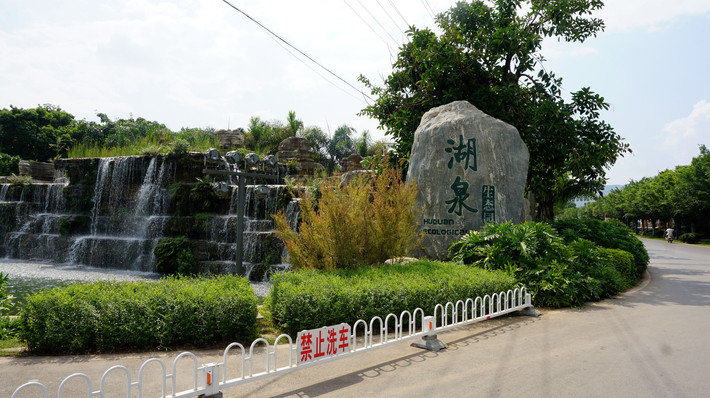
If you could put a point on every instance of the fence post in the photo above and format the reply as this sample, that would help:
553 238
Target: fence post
429 340
529 310
210 381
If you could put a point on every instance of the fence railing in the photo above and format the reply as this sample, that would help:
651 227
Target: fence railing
209 379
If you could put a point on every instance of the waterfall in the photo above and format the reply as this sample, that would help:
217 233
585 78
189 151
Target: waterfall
101 181
3 192
116 220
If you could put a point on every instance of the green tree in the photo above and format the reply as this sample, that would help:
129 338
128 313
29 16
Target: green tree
264 137
488 54
40 133
342 144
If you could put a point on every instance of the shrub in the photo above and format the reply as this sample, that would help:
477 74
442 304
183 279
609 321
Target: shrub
174 256
307 299
6 300
9 164
203 195
611 234
690 237
557 275
365 222
9 328
623 262
109 316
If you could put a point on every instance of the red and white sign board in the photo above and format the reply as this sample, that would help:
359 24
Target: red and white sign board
326 342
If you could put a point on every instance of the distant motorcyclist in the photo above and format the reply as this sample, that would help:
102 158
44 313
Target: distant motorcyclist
669 235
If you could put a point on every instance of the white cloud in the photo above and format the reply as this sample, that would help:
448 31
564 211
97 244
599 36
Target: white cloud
681 137
625 15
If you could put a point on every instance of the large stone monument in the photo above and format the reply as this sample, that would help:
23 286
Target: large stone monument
470 168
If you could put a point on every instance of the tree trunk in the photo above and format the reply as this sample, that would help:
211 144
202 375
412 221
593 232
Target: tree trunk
545 208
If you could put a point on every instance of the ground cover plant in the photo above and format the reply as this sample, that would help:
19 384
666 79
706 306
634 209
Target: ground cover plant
557 273
307 299
110 316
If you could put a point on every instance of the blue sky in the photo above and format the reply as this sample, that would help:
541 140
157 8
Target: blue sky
199 63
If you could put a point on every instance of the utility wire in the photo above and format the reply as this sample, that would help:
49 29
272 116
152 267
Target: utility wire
310 67
400 14
378 22
430 10
389 48
294 47
389 15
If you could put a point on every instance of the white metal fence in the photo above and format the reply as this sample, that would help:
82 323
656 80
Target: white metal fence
209 379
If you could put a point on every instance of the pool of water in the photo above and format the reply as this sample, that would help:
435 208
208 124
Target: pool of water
28 277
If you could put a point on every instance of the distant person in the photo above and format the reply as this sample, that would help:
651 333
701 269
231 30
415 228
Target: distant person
669 235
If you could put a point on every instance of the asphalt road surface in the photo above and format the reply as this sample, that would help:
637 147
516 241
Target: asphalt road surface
653 341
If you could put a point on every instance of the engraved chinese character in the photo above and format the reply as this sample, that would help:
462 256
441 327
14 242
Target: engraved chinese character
463 152
460 189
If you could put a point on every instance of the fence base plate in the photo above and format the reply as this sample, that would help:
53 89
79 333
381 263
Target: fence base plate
530 311
430 343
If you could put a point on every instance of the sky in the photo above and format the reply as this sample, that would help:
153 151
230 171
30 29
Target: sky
203 64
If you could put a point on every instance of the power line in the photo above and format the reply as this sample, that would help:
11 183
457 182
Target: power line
430 10
389 16
378 22
400 14
294 47
371 28
310 67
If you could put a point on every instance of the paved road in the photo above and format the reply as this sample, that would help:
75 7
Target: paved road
653 341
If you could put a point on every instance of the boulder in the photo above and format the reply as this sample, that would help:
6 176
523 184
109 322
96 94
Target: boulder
297 152
470 168
39 171
230 139
352 162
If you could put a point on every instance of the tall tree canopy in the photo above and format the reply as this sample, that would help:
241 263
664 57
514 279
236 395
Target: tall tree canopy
489 54
39 133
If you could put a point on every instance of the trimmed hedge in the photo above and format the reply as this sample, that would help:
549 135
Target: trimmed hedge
690 237
109 316
612 234
308 299
623 262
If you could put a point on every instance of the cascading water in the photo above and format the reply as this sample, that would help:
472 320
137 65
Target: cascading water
111 213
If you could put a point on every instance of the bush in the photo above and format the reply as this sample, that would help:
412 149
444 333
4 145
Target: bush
9 328
557 275
611 234
308 299
690 237
9 164
365 222
623 262
6 300
109 316
173 256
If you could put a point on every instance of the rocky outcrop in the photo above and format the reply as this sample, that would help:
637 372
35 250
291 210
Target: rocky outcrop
470 168
39 171
352 163
296 153
230 139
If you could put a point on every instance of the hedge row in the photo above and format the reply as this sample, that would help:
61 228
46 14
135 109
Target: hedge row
611 234
308 299
110 316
